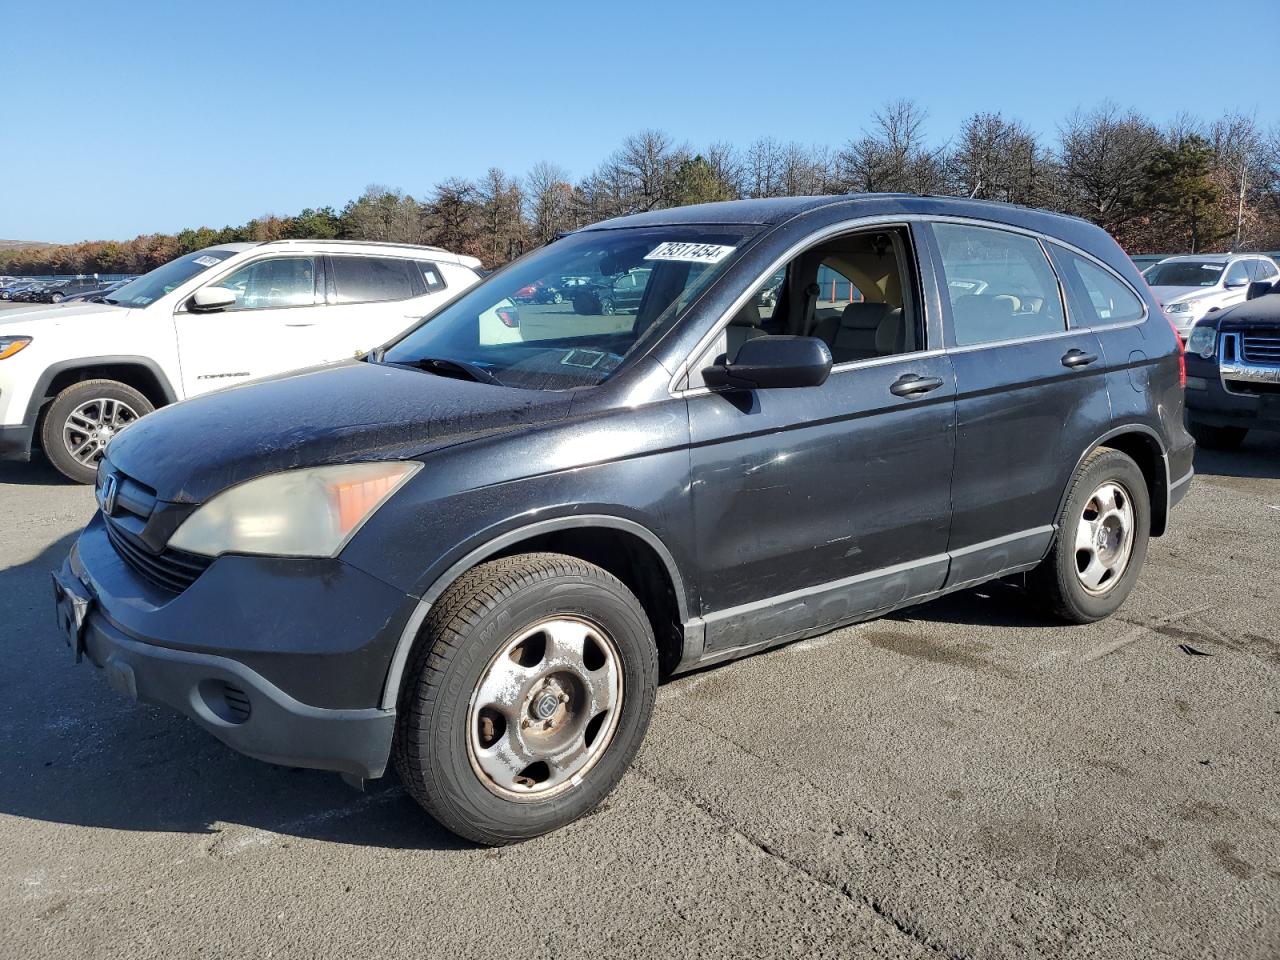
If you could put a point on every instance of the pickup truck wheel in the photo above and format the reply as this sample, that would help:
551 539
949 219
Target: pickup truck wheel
1217 438
81 421
527 697
1101 543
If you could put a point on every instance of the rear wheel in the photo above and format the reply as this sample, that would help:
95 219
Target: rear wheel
1217 438
527 698
55 298
81 422
1101 543
606 307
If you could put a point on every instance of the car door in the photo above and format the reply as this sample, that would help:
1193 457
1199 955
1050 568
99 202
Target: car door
371 299
1031 396
268 329
813 506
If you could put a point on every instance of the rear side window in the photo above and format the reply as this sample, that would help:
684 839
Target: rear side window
1000 285
372 279
432 278
1096 295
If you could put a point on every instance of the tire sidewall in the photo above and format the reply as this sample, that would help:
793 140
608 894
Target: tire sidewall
444 752
1111 466
56 417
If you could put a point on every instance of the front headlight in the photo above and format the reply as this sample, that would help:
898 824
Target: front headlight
1202 340
11 345
311 512
1178 308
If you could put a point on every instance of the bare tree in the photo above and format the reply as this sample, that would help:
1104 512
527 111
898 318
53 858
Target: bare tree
452 215
999 159
549 200
503 236
894 155
1103 156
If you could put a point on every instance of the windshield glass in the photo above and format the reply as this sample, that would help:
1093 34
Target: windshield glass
152 286
568 315
1184 273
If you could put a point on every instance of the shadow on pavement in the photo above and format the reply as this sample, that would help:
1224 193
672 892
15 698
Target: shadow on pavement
1259 457
38 472
73 751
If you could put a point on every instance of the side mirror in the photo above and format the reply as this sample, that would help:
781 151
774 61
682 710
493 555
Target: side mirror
1260 288
765 363
207 299
1236 284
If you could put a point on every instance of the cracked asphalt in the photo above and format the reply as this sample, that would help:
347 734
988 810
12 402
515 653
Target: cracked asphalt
964 779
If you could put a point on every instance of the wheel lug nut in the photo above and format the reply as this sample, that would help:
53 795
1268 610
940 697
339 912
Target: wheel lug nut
564 698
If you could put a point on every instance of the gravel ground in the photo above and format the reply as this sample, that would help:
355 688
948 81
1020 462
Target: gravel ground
963 779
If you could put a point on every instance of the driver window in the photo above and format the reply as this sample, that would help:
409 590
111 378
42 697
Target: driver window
857 293
279 282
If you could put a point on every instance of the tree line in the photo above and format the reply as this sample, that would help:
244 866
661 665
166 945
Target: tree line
1190 185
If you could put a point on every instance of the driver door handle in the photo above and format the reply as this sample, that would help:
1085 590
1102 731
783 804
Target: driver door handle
912 385
1077 358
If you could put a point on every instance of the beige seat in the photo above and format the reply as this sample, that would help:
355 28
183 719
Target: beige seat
743 327
852 335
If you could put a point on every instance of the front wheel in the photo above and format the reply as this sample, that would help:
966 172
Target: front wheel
1101 542
527 698
55 298
81 422
1217 438
607 308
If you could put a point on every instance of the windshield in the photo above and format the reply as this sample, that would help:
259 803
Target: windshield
1184 273
152 286
569 314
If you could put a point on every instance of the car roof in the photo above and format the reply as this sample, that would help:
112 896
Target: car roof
377 247
1211 257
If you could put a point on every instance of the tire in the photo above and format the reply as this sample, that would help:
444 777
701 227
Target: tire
55 298
118 405
1059 583
470 651
607 308
1217 438
557 297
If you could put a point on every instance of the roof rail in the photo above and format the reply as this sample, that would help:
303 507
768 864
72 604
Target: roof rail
366 243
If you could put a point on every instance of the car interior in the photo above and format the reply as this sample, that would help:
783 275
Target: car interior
857 293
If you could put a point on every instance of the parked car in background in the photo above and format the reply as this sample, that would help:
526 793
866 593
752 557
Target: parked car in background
1233 370
96 293
613 294
71 378
29 292
62 289
10 290
473 559
1193 286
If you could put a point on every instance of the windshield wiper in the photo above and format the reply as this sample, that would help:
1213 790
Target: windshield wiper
444 367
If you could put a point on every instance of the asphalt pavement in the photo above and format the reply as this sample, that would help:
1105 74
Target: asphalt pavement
964 779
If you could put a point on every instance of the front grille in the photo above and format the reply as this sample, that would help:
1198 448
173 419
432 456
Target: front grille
174 570
1260 349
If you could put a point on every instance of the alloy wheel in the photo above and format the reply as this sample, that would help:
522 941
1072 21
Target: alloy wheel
91 425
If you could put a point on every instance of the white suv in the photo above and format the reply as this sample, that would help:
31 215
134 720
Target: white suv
1190 287
236 311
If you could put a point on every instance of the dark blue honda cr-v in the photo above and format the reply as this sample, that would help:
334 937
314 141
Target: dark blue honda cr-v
475 550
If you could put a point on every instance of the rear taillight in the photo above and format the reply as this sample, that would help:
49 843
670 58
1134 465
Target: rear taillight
1182 352
508 317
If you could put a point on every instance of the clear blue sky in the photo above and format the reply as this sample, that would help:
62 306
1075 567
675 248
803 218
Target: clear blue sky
183 114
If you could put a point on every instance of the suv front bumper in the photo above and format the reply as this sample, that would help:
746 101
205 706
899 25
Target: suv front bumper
229 690
1210 402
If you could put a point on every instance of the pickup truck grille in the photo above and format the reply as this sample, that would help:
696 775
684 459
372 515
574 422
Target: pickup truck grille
1260 349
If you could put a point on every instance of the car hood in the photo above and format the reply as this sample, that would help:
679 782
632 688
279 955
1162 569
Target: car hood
1168 295
52 317
333 414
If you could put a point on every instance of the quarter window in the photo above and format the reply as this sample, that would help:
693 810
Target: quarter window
432 279
1095 294
275 283
1000 285
371 279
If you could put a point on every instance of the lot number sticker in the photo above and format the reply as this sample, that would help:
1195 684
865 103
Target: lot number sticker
689 252
207 261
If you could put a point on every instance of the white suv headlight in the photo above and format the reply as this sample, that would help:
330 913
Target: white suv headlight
311 512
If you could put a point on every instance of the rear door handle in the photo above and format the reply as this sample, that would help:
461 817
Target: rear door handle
912 385
1077 358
